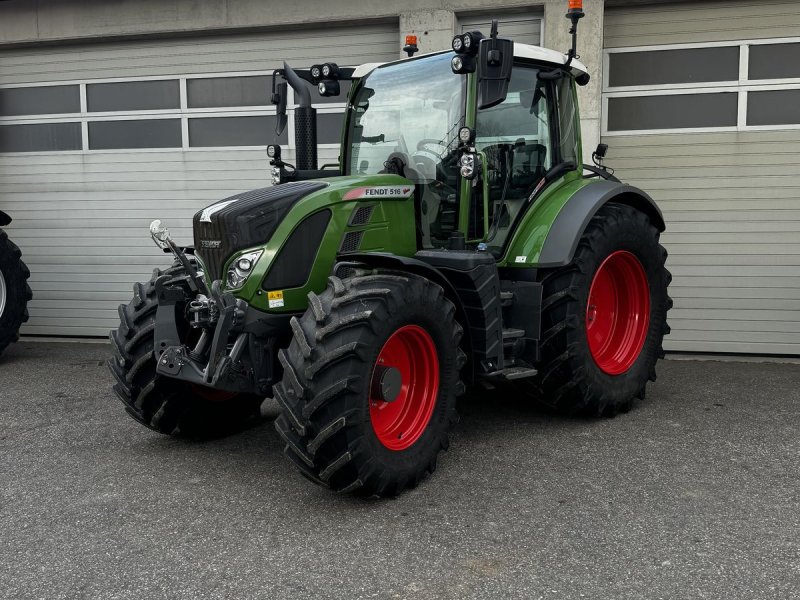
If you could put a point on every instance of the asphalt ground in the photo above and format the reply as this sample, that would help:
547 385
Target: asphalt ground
694 494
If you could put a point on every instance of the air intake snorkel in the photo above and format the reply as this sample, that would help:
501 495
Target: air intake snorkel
305 121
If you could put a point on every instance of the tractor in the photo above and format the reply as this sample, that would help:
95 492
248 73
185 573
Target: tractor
14 289
459 241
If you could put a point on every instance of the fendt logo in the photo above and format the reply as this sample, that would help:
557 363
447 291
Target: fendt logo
210 244
380 191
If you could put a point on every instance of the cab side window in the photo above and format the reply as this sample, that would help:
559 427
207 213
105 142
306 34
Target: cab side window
515 135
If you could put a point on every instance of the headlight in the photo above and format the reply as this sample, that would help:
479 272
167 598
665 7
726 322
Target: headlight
241 268
457 64
458 43
467 41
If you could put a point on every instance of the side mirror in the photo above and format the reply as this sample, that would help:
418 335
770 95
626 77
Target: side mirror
279 99
495 60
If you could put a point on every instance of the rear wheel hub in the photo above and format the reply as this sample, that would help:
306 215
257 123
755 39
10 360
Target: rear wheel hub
618 312
404 386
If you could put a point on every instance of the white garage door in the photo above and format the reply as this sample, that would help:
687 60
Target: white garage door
97 140
703 112
522 28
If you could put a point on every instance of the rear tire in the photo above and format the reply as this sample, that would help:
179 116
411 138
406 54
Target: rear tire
14 291
163 404
334 417
620 254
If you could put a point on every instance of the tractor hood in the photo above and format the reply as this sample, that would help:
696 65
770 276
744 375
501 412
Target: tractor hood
243 221
267 218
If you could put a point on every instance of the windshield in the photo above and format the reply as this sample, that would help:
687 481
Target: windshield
412 110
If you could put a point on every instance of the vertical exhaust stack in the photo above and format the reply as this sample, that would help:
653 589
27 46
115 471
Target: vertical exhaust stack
305 122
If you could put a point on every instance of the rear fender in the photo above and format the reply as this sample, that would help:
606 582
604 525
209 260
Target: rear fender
570 223
4 219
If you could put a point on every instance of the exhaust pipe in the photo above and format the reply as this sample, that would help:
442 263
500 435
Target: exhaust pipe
305 122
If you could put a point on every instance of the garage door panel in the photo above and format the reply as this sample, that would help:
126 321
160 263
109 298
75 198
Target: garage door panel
82 218
736 260
785 309
56 328
725 292
754 214
700 21
262 52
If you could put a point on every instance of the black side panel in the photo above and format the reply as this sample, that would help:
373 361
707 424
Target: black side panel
475 279
295 259
571 222
525 313
4 219
244 220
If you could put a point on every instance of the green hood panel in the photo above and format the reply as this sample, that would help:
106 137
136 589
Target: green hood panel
390 228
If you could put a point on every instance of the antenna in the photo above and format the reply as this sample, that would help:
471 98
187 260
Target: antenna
574 14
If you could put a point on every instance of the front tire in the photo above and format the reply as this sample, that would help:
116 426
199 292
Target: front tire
368 396
604 317
163 404
14 291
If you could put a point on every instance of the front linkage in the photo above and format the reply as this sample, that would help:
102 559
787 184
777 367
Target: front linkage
246 365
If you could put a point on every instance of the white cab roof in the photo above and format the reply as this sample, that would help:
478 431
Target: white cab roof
536 53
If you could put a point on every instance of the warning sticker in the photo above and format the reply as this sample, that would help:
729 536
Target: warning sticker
275 299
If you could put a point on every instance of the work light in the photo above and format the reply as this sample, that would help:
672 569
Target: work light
328 88
461 63
316 72
467 164
458 44
274 151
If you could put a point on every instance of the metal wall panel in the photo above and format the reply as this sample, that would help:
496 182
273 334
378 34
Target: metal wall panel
81 218
731 199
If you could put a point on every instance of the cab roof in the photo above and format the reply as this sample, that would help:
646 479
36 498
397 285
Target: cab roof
536 53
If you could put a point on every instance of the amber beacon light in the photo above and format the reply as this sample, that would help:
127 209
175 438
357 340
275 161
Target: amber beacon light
411 45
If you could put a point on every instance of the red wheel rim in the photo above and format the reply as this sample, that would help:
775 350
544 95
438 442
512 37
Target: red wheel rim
618 312
411 352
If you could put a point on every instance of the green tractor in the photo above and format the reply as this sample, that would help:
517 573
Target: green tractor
14 289
457 242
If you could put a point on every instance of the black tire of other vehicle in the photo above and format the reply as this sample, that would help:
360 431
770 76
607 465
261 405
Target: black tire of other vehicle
17 291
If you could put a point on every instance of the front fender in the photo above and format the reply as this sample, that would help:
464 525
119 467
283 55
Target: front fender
4 219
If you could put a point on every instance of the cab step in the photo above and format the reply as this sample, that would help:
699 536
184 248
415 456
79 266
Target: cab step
509 374
513 334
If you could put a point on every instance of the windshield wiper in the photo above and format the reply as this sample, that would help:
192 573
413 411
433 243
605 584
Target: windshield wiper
373 139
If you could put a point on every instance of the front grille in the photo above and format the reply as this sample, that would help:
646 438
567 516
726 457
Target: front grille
243 221
351 241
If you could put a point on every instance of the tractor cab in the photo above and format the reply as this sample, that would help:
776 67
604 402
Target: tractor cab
413 117
476 160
